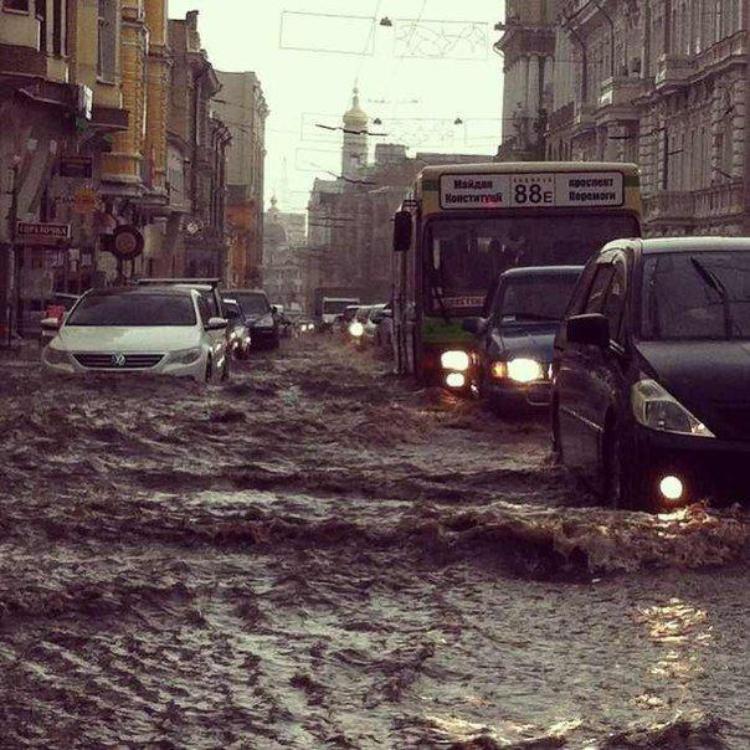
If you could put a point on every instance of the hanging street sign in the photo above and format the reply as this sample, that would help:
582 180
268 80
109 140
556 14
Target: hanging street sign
77 166
125 243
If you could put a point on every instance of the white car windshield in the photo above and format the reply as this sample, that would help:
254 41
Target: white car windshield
134 310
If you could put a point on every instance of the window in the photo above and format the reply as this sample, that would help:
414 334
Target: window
614 304
204 310
599 288
106 64
58 26
21 5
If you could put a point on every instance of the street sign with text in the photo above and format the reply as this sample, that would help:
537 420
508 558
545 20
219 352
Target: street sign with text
41 233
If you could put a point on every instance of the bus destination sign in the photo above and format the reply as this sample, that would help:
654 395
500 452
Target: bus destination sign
532 190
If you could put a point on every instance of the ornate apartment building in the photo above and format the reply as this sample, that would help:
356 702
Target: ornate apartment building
662 83
528 51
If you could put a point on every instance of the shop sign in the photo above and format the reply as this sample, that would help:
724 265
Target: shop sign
40 233
77 166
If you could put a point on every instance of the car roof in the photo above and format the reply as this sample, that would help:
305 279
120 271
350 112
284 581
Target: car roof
196 283
246 291
542 271
172 290
693 244
656 245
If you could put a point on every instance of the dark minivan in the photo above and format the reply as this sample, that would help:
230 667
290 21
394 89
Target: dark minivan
651 389
515 338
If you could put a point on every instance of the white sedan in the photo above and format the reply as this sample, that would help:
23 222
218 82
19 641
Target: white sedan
164 331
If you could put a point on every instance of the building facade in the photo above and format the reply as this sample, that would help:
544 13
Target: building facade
197 238
527 47
662 83
242 106
58 117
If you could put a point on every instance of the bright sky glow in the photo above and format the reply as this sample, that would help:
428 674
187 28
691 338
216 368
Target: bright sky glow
416 78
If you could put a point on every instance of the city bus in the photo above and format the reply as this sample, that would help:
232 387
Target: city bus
466 224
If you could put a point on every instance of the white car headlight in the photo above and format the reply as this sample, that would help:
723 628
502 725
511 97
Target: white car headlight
525 370
55 356
456 361
657 409
357 329
186 356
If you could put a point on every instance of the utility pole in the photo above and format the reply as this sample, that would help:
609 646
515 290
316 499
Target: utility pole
11 301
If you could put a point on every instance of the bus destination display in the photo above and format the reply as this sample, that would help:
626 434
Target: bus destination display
552 190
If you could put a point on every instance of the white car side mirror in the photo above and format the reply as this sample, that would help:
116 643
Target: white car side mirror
216 324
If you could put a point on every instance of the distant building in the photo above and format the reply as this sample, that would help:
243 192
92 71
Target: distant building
284 238
354 151
350 219
242 106
196 242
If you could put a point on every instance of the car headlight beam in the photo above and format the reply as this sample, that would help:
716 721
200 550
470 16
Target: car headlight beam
356 329
655 408
525 370
456 361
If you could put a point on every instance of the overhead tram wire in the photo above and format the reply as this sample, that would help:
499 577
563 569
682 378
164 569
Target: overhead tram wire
370 38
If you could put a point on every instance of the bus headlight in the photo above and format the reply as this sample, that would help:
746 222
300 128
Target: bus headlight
356 329
525 370
456 361
455 380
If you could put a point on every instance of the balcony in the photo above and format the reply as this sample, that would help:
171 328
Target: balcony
674 72
731 50
584 117
562 118
674 207
720 200
620 92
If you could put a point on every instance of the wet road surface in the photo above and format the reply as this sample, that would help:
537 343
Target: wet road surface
317 555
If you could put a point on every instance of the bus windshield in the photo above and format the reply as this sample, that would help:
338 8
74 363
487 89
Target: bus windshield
464 256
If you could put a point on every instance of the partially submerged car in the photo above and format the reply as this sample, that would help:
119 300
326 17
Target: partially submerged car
240 339
514 342
57 307
163 331
651 394
260 315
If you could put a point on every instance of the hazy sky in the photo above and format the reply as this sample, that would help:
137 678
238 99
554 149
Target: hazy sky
416 77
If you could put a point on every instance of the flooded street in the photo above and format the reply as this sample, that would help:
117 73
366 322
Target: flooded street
317 555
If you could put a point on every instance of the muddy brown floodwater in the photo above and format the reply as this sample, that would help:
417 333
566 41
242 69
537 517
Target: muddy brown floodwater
317 555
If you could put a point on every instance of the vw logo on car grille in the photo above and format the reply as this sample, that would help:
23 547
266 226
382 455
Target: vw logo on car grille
118 360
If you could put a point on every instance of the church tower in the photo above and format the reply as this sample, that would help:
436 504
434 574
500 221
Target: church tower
354 153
